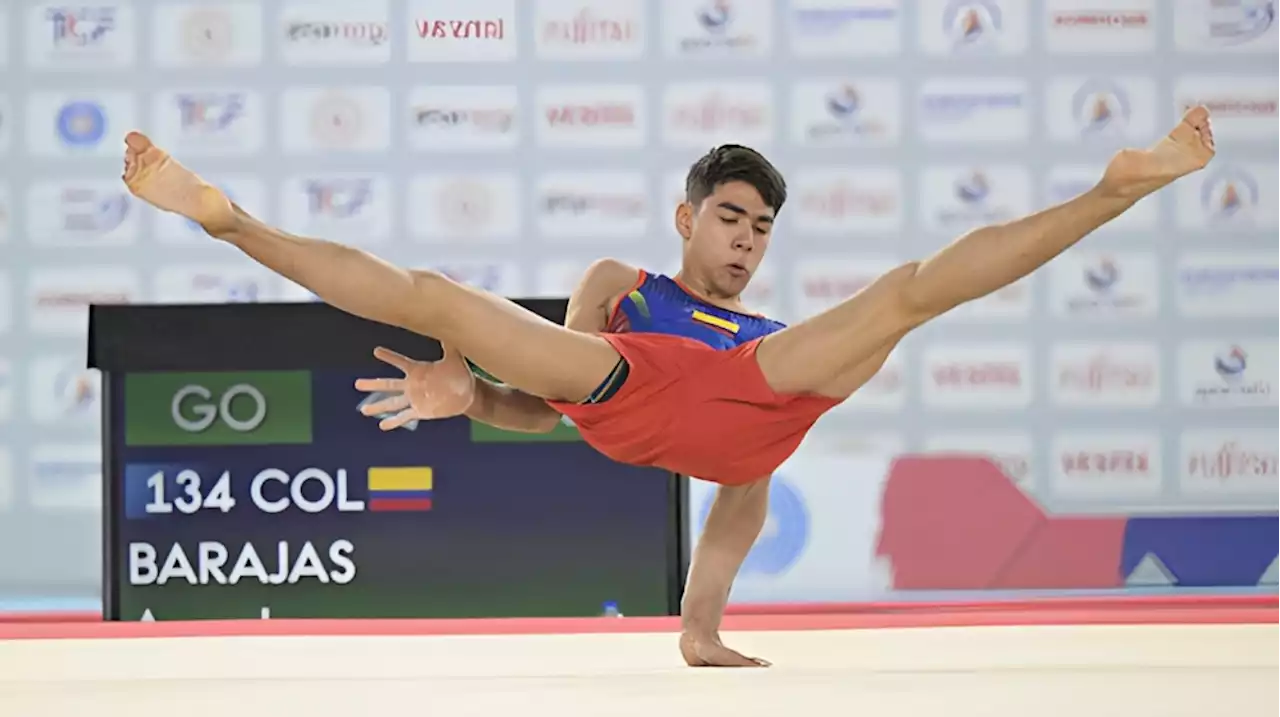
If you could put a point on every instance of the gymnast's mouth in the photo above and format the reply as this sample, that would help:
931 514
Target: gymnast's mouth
738 269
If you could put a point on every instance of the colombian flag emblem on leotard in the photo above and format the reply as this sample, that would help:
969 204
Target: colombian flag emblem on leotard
716 321
400 488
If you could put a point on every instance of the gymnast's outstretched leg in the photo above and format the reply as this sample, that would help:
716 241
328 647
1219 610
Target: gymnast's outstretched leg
531 353
837 351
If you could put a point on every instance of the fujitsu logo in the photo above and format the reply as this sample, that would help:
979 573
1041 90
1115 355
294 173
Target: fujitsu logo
1102 373
843 199
716 113
584 28
1230 461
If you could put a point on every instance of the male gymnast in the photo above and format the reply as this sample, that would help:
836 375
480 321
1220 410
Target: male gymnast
670 372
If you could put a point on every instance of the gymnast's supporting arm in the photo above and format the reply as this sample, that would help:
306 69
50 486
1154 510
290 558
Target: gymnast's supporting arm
732 526
511 409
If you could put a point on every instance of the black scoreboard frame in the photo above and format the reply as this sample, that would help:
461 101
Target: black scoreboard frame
269 337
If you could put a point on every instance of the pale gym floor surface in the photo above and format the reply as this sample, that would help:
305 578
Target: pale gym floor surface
1200 670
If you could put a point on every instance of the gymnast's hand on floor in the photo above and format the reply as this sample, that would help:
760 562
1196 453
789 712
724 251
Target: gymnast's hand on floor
429 389
710 652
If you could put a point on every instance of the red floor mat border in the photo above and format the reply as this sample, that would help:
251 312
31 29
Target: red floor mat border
62 616
1100 602
1204 611
1112 602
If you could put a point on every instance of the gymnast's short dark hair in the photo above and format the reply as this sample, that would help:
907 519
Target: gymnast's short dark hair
735 163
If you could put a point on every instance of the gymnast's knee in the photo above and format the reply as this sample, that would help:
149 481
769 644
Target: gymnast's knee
914 300
919 301
432 300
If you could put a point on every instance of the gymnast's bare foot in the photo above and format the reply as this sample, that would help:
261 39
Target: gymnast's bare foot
1135 173
161 181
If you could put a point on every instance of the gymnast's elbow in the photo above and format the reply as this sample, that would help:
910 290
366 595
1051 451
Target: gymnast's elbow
427 282
428 296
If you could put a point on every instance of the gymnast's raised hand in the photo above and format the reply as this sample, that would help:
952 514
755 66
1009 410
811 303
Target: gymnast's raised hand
429 389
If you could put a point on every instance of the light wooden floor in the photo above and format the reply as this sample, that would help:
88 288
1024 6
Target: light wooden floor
1199 671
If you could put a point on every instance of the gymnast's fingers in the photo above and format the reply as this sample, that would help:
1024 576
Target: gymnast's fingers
388 385
386 405
400 361
396 421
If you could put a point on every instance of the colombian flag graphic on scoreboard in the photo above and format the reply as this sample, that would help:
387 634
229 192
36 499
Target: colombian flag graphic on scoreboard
406 488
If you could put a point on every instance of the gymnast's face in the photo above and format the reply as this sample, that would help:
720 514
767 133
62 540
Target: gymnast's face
726 236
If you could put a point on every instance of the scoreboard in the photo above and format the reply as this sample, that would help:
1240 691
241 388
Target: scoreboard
266 493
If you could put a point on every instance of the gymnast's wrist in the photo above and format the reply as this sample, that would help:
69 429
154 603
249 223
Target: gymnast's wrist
700 635
700 622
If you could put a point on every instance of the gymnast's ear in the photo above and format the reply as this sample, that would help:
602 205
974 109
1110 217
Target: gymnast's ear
684 220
